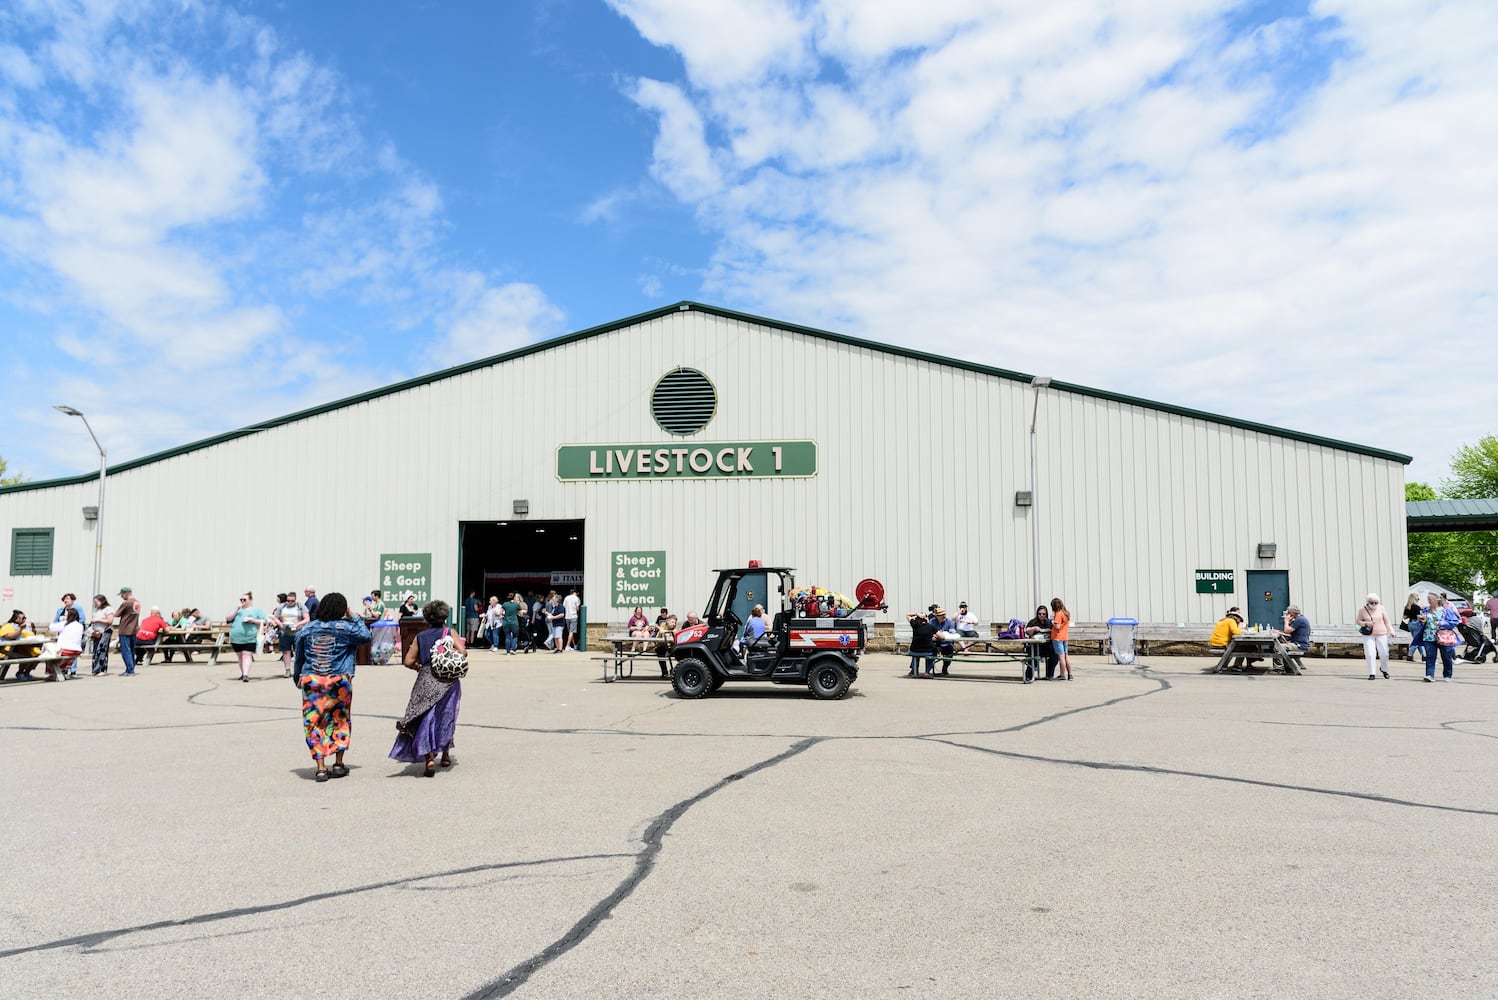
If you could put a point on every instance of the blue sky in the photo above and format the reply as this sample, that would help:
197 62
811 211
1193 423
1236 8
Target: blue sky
212 214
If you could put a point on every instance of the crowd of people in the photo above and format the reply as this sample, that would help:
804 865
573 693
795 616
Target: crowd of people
1435 627
937 635
524 624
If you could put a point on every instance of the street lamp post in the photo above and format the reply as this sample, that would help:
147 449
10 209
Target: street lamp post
99 518
1039 382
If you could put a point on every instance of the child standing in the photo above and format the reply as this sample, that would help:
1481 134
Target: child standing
1060 628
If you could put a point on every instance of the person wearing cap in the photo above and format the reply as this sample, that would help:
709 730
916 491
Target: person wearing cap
127 623
1373 622
967 625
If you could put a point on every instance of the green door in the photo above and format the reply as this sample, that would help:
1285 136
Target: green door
1266 597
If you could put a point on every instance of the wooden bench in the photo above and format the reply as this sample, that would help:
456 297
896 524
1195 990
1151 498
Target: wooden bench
1349 635
43 658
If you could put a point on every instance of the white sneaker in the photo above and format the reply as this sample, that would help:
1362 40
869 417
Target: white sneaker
1446 679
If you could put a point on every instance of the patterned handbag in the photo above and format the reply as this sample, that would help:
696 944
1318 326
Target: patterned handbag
448 663
1445 637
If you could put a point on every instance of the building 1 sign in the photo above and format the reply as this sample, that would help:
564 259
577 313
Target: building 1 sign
638 578
403 573
1214 581
709 460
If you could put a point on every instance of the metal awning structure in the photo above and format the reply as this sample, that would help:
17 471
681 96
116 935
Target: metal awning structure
1452 515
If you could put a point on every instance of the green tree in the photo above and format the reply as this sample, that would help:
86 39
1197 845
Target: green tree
1474 471
9 480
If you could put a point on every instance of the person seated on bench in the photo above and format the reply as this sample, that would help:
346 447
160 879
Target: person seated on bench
149 629
1297 630
19 628
921 646
967 626
1040 627
944 636
1228 628
638 628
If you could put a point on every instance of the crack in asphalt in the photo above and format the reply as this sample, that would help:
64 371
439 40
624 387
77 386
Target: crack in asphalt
96 938
1107 765
653 838
655 833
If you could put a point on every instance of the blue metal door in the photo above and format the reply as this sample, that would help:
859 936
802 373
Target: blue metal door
1268 594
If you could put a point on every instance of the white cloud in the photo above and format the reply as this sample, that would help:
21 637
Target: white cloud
683 161
488 320
184 197
723 44
1261 220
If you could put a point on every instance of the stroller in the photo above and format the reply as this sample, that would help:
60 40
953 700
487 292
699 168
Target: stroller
1476 645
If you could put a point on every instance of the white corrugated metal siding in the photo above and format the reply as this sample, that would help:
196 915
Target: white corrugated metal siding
918 464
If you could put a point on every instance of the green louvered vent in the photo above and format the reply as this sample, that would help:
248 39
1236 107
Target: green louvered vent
30 551
684 401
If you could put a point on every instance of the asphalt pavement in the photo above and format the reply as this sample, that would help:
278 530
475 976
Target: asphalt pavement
1154 831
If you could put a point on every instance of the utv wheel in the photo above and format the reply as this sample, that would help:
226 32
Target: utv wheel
828 680
691 678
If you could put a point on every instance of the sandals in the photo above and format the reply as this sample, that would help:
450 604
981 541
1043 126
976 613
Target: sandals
338 770
322 775
447 761
431 770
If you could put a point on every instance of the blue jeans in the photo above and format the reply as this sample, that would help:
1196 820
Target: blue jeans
491 636
127 652
915 659
512 637
1448 657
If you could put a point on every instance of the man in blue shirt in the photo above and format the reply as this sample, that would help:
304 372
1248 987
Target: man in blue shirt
1297 629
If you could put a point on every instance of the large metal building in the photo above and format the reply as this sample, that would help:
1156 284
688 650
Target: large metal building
634 458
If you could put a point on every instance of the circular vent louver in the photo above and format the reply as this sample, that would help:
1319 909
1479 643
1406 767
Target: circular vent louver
683 401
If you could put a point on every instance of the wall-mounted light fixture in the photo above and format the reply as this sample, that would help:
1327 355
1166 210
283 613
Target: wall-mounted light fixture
1266 550
522 507
1024 498
90 513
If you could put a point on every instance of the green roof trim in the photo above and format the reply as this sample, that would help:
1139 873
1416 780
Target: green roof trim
1452 515
685 306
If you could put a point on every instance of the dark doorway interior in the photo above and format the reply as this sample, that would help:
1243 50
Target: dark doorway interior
500 556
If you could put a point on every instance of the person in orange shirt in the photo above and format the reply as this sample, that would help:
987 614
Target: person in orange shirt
1060 629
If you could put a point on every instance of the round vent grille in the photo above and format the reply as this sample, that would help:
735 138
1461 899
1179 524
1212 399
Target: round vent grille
683 401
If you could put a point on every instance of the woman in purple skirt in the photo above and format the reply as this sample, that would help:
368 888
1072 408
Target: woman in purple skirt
432 714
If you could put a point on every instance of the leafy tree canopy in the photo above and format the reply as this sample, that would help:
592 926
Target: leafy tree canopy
9 480
1464 560
1474 471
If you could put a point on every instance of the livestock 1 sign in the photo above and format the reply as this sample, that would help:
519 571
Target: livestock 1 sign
403 573
638 578
707 460
1214 581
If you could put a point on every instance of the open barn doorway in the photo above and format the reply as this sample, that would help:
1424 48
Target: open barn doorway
524 556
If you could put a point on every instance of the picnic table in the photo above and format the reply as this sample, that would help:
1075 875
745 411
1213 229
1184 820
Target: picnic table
1259 645
621 659
210 639
42 658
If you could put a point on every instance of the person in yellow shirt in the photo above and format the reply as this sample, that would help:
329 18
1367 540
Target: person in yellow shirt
1230 626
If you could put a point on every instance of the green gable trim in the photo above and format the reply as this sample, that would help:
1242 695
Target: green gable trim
1451 515
685 306
31 552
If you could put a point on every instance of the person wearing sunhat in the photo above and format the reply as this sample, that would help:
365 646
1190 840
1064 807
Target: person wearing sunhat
126 624
944 637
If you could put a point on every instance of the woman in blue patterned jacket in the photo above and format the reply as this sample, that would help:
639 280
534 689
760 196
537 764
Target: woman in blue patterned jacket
324 671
